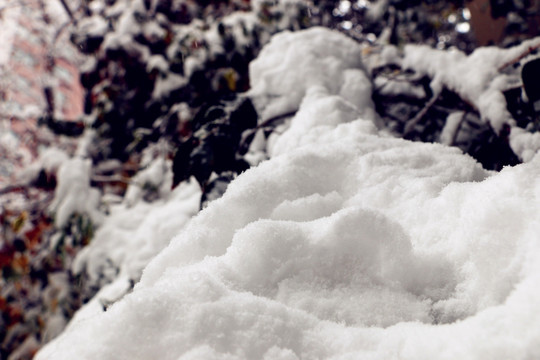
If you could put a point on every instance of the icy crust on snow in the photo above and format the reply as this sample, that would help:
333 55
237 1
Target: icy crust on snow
345 245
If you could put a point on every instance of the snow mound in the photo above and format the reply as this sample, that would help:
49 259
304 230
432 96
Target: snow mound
346 245
293 62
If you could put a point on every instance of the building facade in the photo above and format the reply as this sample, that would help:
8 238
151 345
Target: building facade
33 57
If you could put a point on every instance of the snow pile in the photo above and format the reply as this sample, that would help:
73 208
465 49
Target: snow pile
294 62
346 245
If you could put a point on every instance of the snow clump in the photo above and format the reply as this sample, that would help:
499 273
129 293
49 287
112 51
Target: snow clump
293 62
73 193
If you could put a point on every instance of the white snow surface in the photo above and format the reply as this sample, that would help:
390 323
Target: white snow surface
344 245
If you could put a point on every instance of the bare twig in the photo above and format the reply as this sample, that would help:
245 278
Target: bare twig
13 188
458 127
515 60
68 10
273 119
102 179
264 124
409 126
61 29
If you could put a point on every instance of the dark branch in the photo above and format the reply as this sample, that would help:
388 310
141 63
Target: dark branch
68 10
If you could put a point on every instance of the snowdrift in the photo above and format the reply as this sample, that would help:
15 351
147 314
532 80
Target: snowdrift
346 244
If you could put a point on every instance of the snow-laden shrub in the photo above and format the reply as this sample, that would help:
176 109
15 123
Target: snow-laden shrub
349 244
74 194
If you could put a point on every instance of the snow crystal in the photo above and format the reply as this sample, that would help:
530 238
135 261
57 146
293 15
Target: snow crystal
240 22
52 159
56 12
257 149
119 40
390 87
194 62
153 32
345 245
116 10
318 108
96 7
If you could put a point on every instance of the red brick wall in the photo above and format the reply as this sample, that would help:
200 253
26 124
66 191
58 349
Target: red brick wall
25 77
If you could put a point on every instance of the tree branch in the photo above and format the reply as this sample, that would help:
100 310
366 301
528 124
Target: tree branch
264 124
68 10
515 60
13 188
105 179
409 127
458 127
